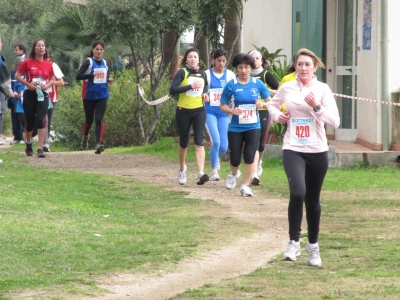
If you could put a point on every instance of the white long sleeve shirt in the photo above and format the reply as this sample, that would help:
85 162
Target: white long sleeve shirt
306 128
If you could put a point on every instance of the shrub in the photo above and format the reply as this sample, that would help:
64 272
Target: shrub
121 126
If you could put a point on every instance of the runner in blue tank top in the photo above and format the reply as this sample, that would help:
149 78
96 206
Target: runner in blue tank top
217 120
95 76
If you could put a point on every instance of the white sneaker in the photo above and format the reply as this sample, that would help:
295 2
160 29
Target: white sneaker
314 258
259 168
218 167
214 175
245 191
182 176
292 252
255 181
46 148
202 178
231 182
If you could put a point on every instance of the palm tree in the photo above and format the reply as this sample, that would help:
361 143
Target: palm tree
69 36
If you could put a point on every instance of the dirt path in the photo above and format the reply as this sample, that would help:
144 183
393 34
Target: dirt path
242 257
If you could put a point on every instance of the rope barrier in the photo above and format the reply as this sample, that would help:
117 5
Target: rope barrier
364 99
155 102
165 98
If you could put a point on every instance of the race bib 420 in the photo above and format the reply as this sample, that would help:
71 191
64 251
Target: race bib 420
303 131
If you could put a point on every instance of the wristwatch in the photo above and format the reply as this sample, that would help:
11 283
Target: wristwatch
317 108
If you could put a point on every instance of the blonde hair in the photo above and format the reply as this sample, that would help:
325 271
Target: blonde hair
304 51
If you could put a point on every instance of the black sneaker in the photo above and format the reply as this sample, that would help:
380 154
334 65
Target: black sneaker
85 142
99 148
255 181
29 149
202 178
40 153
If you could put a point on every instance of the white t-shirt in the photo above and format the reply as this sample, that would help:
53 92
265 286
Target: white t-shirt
57 74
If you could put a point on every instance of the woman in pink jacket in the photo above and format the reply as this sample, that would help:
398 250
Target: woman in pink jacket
309 106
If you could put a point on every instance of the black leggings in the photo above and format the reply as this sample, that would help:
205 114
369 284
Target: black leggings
264 122
305 173
35 111
95 110
185 118
236 141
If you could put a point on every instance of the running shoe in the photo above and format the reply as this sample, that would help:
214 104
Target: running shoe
292 252
314 258
214 175
259 168
28 149
255 181
182 176
46 148
99 148
202 178
40 153
231 181
245 191
16 142
85 142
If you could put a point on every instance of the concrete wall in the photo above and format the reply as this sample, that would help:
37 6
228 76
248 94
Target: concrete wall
268 23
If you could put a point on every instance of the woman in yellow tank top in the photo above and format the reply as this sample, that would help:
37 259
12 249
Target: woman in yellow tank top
190 83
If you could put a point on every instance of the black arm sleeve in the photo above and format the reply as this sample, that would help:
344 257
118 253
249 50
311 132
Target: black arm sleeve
175 88
81 72
206 86
272 82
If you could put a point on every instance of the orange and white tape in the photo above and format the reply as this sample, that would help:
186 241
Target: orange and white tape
165 98
368 100
155 102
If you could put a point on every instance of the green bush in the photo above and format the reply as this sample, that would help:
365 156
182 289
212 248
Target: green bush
121 124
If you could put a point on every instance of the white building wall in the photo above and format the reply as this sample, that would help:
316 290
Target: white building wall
330 58
369 121
394 63
369 74
268 23
394 45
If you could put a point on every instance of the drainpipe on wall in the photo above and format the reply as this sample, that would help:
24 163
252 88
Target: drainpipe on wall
384 81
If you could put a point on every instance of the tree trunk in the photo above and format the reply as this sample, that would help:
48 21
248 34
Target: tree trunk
171 51
233 30
201 43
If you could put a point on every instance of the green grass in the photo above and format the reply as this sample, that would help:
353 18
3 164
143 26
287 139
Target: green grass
359 244
166 148
50 222
58 227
